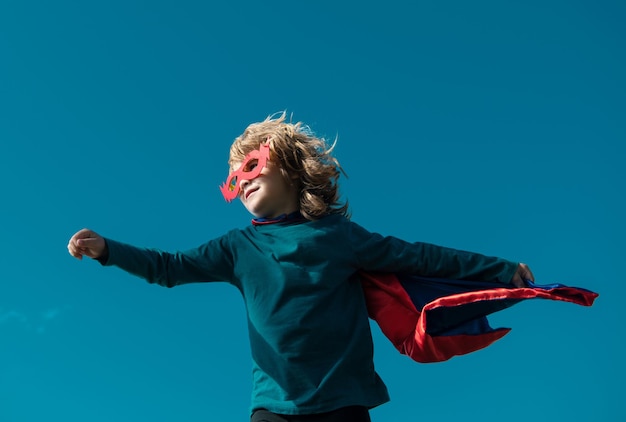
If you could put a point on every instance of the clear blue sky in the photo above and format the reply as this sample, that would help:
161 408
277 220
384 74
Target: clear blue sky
497 127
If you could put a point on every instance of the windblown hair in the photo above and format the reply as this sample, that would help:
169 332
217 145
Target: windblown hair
303 159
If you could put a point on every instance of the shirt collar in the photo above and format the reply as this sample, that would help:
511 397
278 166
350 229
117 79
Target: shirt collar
294 217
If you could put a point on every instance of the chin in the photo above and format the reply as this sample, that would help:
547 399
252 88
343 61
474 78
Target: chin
257 213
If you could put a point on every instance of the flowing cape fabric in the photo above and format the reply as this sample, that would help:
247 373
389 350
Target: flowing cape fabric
432 320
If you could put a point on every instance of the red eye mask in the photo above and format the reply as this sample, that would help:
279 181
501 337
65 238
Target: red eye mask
230 189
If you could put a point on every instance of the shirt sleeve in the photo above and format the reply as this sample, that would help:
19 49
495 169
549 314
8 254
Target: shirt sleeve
390 254
209 262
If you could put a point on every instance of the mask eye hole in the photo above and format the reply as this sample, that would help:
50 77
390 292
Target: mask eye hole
251 165
233 184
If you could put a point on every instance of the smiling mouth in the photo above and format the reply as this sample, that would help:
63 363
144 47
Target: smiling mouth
250 192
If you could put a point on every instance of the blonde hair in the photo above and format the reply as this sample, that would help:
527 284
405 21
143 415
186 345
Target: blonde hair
302 157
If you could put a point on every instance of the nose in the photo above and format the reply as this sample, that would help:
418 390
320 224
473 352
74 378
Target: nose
242 184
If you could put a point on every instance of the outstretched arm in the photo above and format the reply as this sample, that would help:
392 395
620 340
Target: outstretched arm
209 262
389 254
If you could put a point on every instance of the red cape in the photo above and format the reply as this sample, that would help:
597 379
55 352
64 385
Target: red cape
432 320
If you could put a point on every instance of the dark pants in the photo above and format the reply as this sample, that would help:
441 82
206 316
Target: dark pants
345 414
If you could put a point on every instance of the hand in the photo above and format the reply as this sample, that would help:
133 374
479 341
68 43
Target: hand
522 273
87 243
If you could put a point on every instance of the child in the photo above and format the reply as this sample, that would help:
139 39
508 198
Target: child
297 268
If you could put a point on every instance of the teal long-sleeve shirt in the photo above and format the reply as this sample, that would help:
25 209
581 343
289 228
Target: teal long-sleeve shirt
308 327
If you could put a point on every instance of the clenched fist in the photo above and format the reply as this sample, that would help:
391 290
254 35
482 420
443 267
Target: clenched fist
87 243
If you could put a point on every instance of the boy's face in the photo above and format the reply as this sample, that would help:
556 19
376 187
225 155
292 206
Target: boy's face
249 168
268 194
